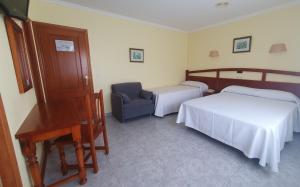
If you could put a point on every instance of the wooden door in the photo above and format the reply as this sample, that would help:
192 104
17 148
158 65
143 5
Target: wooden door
64 62
9 171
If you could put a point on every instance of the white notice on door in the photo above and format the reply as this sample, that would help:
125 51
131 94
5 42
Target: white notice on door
64 45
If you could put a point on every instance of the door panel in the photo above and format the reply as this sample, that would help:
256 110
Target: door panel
68 75
65 65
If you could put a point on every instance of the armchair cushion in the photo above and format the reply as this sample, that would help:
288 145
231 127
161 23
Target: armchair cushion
146 94
138 103
138 107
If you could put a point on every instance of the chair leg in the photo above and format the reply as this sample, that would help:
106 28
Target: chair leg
64 165
105 140
94 156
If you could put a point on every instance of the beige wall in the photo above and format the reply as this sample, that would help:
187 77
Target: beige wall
167 52
280 26
16 105
110 39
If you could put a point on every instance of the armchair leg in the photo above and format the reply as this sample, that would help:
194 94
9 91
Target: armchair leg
64 165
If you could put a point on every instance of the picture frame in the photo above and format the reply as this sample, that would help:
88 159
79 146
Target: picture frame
136 55
242 44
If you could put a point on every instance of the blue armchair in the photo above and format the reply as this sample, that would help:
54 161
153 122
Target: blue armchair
129 100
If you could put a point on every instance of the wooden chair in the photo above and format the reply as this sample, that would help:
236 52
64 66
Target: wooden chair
90 130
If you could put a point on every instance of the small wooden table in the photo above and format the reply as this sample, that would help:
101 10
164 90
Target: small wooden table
45 122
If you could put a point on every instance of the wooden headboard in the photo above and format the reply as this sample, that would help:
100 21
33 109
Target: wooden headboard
217 83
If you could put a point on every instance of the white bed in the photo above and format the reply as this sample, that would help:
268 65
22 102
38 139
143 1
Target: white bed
169 99
257 122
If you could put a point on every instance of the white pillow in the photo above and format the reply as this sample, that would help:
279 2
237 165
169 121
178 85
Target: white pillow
265 93
197 84
276 94
240 90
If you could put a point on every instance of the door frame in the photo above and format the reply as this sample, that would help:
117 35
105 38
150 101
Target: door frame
11 177
33 59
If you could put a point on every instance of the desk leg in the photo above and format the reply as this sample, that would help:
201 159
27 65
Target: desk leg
76 134
29 151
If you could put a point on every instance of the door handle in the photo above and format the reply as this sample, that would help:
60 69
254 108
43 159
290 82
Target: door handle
86 80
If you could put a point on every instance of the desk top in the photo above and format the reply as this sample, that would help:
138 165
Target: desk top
45 118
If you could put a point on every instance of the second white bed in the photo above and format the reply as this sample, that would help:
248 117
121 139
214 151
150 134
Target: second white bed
169 99
259 126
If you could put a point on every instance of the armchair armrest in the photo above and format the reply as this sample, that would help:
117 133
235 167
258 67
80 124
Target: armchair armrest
116 100
124 97
117 105
146 94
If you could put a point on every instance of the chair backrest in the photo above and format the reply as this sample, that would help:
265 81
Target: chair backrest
99 111
98 118
132 89
89 116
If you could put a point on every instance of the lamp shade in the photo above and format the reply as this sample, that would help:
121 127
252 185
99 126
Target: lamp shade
214 53
278 48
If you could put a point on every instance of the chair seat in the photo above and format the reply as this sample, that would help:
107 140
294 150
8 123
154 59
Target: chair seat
84 135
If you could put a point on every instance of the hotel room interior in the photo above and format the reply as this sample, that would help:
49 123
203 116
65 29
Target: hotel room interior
135 93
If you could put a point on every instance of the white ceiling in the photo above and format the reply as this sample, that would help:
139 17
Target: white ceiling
185 15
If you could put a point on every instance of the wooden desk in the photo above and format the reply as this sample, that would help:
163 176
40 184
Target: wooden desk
45 122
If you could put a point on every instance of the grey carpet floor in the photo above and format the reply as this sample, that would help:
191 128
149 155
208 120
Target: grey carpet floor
155 152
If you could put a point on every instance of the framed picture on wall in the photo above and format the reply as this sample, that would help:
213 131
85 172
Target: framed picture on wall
136 55
242 44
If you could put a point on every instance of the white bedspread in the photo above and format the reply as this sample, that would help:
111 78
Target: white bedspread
257 126
169 99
